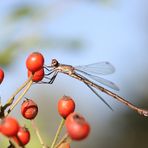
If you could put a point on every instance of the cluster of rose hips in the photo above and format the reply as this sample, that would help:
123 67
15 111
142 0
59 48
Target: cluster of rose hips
10 127
76 126
35 66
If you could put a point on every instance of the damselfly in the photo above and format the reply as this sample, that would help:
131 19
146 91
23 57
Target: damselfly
88 74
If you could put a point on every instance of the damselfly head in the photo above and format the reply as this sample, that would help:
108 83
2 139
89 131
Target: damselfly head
54 63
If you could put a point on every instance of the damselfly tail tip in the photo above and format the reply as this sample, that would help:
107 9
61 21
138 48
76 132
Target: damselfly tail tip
143 112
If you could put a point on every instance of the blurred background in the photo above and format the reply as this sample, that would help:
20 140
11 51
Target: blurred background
79 32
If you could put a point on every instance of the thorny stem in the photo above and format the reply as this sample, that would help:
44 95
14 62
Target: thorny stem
58 132
19 98
19 89
38 134
65 138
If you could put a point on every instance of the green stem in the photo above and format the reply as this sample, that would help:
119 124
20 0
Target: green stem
14 144
38 134
19 98
66 139
58 132
18 90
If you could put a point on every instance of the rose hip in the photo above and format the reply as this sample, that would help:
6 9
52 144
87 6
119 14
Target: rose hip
9 126
29 109
35 62
37 76
66 105
77 127
1 75
22 137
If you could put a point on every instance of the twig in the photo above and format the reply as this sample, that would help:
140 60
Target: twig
38 134
19 98
13 144
58 132
18 90
65 138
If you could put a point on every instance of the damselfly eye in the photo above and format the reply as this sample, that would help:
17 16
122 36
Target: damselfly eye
54 63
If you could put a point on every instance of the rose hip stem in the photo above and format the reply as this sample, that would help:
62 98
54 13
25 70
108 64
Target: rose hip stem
38 134
65 138
12 143
18 90
19 98
58 133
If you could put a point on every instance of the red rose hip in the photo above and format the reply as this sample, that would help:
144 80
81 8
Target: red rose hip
9 126
66 105
29 109
1 75
35 62
37 76
77 127
22 137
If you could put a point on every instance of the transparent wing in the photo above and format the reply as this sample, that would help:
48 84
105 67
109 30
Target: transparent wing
100 80
102 68
99 96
